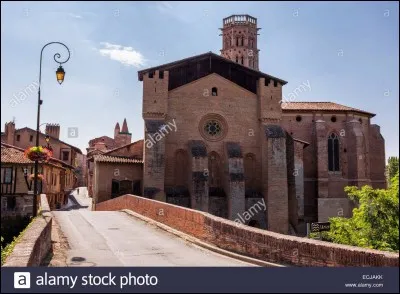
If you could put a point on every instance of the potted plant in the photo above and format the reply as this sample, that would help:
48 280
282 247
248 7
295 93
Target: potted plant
41 154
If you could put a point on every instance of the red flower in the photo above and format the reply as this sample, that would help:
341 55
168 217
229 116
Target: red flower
40 153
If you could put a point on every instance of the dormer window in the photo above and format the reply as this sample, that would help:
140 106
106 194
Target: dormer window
214 91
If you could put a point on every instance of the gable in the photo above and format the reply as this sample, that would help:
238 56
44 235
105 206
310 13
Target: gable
224 87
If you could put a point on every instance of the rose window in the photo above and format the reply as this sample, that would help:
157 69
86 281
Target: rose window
213 128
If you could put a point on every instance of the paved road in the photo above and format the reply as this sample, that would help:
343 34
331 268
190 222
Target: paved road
112 238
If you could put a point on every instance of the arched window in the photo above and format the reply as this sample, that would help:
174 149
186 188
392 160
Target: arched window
333 153
181 167
237 59
242 60
214 91
214 168
237 41
242 41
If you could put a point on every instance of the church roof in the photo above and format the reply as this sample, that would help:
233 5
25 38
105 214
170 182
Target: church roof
321 106
193 68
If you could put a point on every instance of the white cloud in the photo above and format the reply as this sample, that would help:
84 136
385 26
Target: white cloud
75 15
125 55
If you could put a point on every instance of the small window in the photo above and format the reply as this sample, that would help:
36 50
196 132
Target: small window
18 137
298 118
7 175
242 60
360 120
65 155
237 59
214 91
30 138
333 119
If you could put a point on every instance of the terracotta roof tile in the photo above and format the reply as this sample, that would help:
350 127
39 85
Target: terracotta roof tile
13 155
324 106
123 146
115 159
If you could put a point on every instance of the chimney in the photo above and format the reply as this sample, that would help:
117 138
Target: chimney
53 130
9 131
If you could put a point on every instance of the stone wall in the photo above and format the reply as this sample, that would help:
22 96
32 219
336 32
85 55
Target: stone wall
35 243
179 200
256 243
23 205
218 206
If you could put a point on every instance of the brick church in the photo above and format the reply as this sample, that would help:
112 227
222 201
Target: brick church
219 138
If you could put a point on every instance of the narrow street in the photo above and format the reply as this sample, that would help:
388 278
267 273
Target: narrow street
113 238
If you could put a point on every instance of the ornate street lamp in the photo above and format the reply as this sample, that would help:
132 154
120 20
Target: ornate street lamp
60 73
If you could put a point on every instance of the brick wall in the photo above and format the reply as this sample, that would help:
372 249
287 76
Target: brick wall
35 243
257 243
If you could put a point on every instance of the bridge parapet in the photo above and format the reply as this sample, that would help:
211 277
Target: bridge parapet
249 241
35 243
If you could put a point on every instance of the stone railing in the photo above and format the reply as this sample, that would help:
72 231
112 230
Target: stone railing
35 243
253 242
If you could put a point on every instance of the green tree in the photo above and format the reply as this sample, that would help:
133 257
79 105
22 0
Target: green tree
392 168
375 221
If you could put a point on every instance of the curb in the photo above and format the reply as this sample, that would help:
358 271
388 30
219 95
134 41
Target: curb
200 243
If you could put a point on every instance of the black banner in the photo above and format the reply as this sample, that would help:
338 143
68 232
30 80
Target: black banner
199 280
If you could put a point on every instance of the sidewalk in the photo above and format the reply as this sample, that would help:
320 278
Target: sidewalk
82 198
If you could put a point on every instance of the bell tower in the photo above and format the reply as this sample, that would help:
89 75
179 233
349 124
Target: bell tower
239 40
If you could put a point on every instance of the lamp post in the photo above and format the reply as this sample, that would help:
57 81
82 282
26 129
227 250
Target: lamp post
60 74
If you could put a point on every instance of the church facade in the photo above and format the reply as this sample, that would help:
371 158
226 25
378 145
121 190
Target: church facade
238 143
219 137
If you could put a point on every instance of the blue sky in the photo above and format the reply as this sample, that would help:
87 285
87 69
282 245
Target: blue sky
349 53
